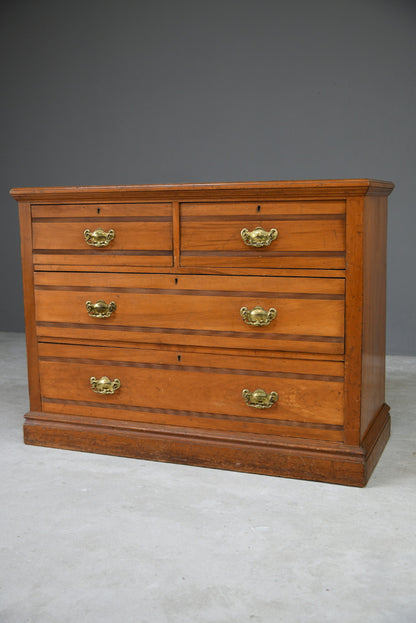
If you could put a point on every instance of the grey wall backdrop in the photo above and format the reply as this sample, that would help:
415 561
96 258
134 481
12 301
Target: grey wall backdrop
137 91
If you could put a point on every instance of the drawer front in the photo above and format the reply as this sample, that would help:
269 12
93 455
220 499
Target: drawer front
309 234
269 313
105 234
195 390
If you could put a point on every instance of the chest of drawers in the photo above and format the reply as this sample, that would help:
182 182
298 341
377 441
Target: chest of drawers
237 326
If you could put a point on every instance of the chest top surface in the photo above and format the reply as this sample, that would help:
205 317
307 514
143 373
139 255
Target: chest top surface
277 189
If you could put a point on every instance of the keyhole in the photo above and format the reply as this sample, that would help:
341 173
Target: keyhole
98 210
258 208
176 280
179 357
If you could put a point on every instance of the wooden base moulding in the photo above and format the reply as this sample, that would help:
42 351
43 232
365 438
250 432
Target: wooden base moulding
283 457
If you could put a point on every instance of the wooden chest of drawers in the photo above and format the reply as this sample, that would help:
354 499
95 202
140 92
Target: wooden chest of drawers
236 326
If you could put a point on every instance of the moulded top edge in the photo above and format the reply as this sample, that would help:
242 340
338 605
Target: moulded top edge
290 188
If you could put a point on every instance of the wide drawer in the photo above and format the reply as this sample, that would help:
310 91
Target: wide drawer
310 234
137 234
271 313
194 389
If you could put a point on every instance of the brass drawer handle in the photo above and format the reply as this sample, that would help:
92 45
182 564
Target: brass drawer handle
258 316
99 237
100 309
258 237
104 385
259 399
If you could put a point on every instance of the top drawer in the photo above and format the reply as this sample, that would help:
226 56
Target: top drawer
137 234
310 234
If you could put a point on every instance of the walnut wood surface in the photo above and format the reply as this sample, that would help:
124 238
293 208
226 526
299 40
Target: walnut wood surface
29 299
291 458
149 211
202 270
173 387
303 226
133 236
248 352
297 189
311 234
114 260
179 273
310 312
285 365
374 310
173 376
316 243
353 319
174 418
268 210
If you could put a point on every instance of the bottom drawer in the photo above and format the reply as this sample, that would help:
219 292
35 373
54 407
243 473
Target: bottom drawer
302 398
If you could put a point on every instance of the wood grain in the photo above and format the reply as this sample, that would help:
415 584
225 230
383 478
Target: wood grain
321 287
296 189
126 416
308 311
310 242
179 273
217 391
120 261
176 234
143 234
353 319
241 352
180 338
324 462
130 236
218 358
29 302
150 210
374 311
262 209
201 270
260 262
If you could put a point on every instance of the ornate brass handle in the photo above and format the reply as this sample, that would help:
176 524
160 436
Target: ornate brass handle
100 309
258 237
258 316
99 237
104 385
259 399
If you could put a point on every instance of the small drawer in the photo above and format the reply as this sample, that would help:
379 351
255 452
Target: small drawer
259 313
197 390
309 234
103 234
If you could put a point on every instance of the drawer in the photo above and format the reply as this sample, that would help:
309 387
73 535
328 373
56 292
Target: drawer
194 390
310 234
116 234
260 313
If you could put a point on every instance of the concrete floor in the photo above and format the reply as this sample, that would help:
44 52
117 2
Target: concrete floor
89 538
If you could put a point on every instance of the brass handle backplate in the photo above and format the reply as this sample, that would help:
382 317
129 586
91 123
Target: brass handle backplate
100 309
258 316
259 399
99 237
104 385
258 237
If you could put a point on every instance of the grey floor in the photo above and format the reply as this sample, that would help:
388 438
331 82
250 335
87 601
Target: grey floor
89 538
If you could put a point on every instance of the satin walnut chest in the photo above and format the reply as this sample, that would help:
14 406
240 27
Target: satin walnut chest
236 326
